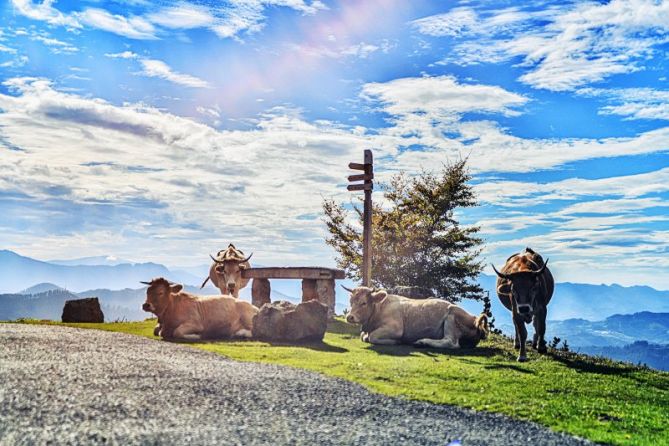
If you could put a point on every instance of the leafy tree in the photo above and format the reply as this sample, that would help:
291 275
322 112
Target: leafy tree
417 239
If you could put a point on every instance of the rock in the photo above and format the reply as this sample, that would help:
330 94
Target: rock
412 292
83 310
284 321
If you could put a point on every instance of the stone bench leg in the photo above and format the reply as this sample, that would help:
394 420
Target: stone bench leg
260 292
309 290
321 289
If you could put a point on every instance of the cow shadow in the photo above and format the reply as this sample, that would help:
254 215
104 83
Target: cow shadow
604 366
309 344
410 350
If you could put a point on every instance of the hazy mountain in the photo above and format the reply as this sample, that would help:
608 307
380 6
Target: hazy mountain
40 288
95 260
18 272
618 330
581 301
639 352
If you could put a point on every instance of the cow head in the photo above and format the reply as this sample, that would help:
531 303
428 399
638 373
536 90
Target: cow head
229 272
158 294
362 302
525 286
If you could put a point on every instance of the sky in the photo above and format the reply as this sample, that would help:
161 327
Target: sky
164 130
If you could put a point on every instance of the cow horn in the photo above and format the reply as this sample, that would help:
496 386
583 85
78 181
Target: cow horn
347 289
542 269
145 283
502 276
215 260
247 259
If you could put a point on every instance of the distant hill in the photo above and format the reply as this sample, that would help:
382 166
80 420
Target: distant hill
40 288
94 261
18 272
617 331
639 352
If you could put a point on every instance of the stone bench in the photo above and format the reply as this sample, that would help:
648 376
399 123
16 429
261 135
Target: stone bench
317 283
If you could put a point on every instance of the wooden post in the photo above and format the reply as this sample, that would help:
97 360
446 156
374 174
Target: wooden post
260 292
367 219
367 186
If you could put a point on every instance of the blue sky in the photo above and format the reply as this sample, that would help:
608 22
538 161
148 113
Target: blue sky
161 131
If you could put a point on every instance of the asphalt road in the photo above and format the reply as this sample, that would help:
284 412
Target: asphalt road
67 386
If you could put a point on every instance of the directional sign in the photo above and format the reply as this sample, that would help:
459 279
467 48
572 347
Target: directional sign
361 177
354 187
356 166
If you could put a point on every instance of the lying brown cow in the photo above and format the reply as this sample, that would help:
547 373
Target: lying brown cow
390 319
185 316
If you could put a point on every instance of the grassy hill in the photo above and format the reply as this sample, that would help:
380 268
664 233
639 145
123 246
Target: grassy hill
594 398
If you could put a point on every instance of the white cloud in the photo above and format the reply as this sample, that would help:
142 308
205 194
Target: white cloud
182 16
441 96
563 46
159 69
361 50
198 186
132 27
57 46
123 55
632 103
226 19
44 11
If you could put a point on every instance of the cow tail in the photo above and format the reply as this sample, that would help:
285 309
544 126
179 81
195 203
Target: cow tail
481 324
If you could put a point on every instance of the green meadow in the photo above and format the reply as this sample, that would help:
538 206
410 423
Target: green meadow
595 398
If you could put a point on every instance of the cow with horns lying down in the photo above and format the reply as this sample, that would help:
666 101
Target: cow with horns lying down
226 271
184 316
390 319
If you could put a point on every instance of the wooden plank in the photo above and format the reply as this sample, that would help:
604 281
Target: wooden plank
365 187
260 292
356 166
293 272
361 177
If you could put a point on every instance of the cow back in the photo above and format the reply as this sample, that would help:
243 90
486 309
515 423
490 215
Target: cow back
525 261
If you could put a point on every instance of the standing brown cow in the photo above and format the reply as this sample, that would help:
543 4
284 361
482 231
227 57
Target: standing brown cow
226 271
525 286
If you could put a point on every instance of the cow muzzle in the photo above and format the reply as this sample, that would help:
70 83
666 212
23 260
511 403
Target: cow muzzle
524 309
147 307
351 319
231 288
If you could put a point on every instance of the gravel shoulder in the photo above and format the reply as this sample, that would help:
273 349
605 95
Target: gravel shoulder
69 386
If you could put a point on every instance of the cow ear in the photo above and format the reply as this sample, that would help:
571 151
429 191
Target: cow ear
176 288
378 296
241 266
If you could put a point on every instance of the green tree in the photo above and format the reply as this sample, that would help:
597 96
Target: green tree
417 239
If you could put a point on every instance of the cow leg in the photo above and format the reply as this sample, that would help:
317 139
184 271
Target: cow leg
189 332
521 337
383 336
437 343
540 330
244 333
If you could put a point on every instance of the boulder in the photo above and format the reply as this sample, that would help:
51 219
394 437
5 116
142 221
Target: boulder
412 292
284 321
83 310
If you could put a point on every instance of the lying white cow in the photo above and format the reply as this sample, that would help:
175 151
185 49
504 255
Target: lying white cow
390 319
185 316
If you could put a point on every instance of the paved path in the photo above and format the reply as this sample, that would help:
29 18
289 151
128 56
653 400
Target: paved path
69 386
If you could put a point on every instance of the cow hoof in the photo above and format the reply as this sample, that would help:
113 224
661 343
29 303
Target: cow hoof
522 358
542 349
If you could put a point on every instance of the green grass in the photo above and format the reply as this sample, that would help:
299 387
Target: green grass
595 398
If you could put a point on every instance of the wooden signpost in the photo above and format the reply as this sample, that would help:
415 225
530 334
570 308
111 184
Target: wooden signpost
367 185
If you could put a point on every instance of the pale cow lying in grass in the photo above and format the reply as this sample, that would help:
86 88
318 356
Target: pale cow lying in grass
184 316
390 319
